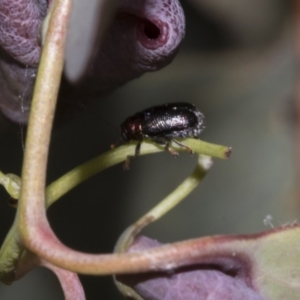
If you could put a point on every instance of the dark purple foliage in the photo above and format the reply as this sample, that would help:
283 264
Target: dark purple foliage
220 281
143 37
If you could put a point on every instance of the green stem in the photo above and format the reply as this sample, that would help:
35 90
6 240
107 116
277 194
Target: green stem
167 204
43 104
81 173
11 249
174 198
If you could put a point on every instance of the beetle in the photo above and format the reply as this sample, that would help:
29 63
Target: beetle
163 124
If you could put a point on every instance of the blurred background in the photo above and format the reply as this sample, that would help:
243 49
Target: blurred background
238 65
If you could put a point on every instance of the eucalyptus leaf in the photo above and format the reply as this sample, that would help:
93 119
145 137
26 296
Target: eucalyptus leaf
258 266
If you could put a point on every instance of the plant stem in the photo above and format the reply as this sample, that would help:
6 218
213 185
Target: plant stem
167 204
31 208
81 173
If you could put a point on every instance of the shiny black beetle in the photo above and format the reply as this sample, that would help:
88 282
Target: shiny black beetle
163 124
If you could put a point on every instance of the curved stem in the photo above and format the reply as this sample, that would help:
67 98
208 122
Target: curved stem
81 173
167 204
69 281
12 182
11 248
31 210
181 192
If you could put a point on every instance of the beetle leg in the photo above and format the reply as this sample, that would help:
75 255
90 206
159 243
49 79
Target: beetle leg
171 150
137 149
166 143
183 146
126 165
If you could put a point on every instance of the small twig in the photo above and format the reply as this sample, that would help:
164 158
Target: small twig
173 199
69 281
81 173
70 180
12 184
167 204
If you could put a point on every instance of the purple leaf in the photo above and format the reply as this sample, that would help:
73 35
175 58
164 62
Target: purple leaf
20 23
224 279
144 36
